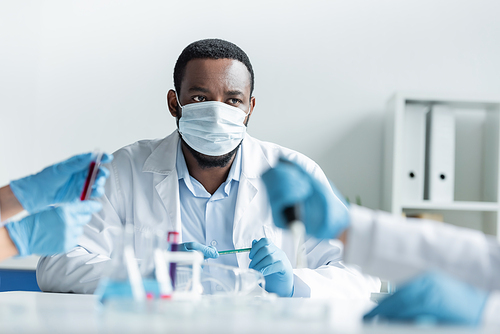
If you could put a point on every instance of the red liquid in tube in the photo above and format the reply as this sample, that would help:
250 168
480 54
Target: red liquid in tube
92 175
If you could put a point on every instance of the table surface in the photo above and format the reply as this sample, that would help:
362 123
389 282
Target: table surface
37 312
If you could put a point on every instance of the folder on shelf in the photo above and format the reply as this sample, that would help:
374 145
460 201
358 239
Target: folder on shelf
440 154
414 152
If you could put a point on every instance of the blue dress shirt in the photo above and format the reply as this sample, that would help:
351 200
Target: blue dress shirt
208 219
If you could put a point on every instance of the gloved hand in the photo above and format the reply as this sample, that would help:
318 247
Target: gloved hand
59 183
323 211
436 297
209 252
54 230
274 265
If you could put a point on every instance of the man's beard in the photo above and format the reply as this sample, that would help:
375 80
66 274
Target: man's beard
208 161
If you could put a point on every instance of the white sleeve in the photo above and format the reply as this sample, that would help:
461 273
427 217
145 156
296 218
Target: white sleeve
397 249
491 312
328 277
80 269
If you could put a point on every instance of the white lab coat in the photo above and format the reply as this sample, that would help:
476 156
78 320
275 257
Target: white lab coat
396 248
143 190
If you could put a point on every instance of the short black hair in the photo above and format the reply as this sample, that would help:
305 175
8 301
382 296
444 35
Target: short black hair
210 49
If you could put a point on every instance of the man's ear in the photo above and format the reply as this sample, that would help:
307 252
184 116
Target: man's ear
173 105
252 106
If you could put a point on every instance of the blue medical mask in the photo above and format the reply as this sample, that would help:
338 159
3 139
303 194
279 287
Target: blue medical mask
212 128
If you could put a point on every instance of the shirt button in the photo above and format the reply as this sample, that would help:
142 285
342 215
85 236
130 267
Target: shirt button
213 243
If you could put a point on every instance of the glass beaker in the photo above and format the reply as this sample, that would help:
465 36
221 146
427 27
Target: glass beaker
123 280
218 279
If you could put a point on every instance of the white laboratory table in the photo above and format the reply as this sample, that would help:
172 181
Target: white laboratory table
36 312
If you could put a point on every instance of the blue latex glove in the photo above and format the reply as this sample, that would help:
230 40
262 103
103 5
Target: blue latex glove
433 297
209 252
59 183
273 263
324 212
54 230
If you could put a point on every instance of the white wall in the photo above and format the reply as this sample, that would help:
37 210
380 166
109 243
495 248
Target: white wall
76 75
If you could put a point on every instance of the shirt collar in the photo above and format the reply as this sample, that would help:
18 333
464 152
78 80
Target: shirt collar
183 172
258 158
180 164
235 171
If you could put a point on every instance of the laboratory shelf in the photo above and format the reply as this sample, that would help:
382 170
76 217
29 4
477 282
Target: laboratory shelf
457 205
476 193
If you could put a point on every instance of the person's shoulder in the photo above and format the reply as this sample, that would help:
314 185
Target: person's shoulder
141 147
273 152
139 151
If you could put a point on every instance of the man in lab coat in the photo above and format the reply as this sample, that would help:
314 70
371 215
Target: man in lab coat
203 180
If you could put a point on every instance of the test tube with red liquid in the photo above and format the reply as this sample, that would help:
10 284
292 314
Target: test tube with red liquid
91 176
173 240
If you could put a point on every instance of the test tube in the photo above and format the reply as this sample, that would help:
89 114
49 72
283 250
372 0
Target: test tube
296 226
91 176
173 240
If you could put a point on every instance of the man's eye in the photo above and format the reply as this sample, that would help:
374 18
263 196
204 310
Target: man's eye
199 98
235 101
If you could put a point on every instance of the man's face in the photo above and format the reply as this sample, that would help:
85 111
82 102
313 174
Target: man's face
222 80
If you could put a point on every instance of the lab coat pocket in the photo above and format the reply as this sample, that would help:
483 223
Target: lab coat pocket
284 240
274 234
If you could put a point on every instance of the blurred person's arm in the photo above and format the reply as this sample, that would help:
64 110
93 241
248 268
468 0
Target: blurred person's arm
7 246
9 205
397 248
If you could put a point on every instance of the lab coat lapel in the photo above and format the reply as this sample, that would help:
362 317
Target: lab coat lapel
253 164
246 193
163 162
168 190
